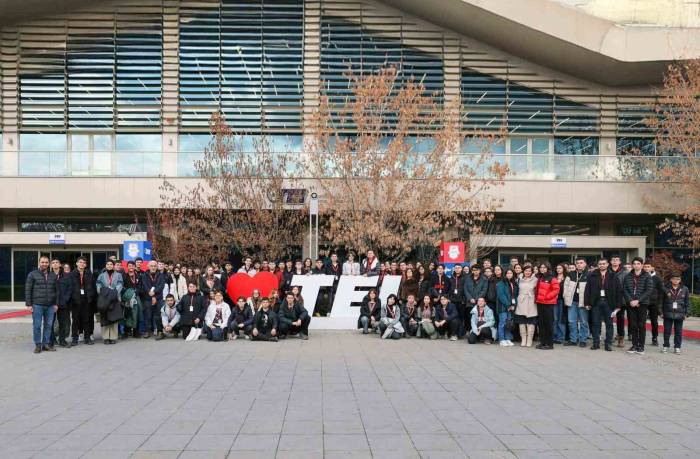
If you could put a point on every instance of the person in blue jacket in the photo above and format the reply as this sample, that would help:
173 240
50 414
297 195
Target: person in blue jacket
506 301
447 318
483 322
475 286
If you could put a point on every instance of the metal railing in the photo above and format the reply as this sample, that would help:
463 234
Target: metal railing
564 168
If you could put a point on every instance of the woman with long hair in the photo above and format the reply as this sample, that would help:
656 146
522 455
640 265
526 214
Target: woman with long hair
370 311
308 266
506 301
426 318
560 309
546 298
526 309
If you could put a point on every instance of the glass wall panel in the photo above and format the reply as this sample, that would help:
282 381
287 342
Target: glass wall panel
138 154
25 262
6 274
43 155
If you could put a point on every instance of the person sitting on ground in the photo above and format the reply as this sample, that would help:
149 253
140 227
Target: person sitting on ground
293 319
170 317
217 317
409 316
482 323
192 308
370 312
390 321
426 319
241 320
447 318
265 323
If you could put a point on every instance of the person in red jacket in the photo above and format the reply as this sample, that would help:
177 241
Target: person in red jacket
547 292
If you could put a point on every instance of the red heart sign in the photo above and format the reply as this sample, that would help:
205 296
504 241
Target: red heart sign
241 284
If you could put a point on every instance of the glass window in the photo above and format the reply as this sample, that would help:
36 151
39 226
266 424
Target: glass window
102 147
576 145
43 154
631 146
5 274
518 160
80 154
139 154
540 158
25 262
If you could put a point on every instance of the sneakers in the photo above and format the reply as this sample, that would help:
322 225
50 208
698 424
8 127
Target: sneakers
632 350
677 351
247 337
274 339
664 350
37 349
74 342
640 351
582 344
503 343
89 341
160 336
488 341
595 346
303 336
569 343
453 338
608 348
654 342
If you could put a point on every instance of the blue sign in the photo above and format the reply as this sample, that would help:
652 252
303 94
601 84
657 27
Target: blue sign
137 249
57 238
449 267
558 243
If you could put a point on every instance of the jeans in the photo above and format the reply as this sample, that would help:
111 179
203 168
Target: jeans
677 325
578 314
41 314
151 315
601 313
365 324
559 326
504 334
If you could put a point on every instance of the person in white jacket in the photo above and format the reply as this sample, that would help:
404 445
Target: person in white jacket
217 317
351 267
170 317
177 287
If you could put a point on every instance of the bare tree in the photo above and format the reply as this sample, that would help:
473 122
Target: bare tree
678 135
237 204
387 165
482 240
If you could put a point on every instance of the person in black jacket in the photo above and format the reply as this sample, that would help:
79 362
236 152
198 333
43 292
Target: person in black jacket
62 315
619 272
152 285
293 318
409 316
456 293
192 308
40 298
132 280
602 296
83 295
446 318
370 312
676 302
655 301
241 320
265 323
637 290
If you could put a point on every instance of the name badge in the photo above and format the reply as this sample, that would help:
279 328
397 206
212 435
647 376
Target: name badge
82 291
456 291
512 301
675 305
602 293
191 308
578 290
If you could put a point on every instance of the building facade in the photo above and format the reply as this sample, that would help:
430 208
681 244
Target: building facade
100 101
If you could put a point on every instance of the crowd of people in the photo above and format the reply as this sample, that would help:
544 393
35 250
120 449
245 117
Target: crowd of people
481 303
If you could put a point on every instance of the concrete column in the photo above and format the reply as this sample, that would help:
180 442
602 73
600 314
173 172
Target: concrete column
9 114
9 162
312 59
171 94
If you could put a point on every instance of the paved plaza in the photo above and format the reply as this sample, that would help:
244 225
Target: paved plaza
342 394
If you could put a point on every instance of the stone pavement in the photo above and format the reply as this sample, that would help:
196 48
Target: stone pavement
342 394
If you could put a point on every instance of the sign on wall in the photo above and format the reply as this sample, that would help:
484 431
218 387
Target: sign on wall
137 249
558 242
57 238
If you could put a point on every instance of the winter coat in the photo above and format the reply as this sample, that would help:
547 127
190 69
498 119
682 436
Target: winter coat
204 286
88 286
392 321
351 269
40 288
169 316
573 282
491 291
439 285
637 288
238 316
449 313
526 297
489 320
156 282
409 287
372 269
63 290
657 293
192 307
682 299
591 295
473 290
287 315
259 319
110 294
365 311
456 288
504 296
177 287
211 314
547 290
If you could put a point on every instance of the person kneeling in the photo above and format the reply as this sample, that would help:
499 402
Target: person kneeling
217 318
390 323
241 320
447 318
265 323
293 318
170 317
482 323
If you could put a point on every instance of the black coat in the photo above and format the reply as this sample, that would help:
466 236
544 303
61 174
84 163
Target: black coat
658 292
237 316
640 291
682 299
591 294
109 306
40 288
457 288
155 282
88 285
204 287
63 291
259 319
364 310
199 308
285 315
